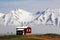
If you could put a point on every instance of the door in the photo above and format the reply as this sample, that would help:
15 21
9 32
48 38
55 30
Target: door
19 32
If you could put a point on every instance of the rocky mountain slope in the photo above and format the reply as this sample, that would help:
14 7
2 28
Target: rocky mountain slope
20 17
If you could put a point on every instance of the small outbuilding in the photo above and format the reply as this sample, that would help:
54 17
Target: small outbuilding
23 30
27 30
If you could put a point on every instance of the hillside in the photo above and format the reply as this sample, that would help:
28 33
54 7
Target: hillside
49 16
20 16
31 37
16 17
47 21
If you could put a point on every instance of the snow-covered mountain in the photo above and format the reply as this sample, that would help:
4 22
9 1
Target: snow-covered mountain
20 17
44 21
16 17
1 14
49 16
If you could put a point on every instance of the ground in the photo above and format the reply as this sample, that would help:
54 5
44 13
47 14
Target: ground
31 37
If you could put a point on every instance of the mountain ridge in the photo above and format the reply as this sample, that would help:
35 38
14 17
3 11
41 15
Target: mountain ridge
50 15
20 16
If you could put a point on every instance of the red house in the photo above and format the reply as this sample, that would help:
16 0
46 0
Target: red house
23 30
28 30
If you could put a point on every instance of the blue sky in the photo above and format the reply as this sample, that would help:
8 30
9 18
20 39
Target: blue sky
22 0
28 5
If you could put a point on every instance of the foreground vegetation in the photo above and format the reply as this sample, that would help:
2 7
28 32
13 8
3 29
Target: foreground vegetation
31 37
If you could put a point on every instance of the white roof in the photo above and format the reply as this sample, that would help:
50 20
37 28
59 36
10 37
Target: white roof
20 29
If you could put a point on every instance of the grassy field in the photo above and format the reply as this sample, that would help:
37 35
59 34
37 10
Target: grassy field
31 37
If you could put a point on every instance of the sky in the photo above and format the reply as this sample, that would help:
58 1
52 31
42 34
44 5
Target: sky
32 6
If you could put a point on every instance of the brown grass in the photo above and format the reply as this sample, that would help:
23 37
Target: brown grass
31 37
44 37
